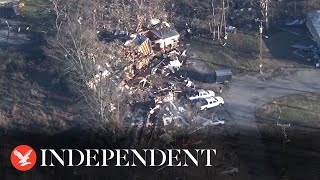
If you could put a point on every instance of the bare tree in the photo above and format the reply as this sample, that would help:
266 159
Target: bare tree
87 60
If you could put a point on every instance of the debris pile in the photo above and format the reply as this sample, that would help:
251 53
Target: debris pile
158 95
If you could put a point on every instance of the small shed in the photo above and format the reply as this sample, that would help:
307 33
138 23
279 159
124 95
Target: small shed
223 75
165 38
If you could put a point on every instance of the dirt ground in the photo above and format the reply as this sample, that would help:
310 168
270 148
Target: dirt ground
32 98
29 104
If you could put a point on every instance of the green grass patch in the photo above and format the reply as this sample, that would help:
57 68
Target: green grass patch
218 56
246 42
38 14
297 158
300 110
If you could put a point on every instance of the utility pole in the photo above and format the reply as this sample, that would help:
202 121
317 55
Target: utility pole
260 39
260 56
283 126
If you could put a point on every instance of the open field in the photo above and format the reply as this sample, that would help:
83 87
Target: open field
242 50
295 151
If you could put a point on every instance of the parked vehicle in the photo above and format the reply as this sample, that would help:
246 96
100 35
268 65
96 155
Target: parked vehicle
212 102
201 93
223 75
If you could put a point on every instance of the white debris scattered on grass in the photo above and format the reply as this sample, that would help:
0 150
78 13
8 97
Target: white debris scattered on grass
105 73
166 24
173 53
34 92
167 120
208 122
162 99
174 65
184 53
181 109
217 123
230 28
155 21
143 81
153 109
189 83
112 107
80 20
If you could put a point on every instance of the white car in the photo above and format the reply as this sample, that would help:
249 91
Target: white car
212 102
201 94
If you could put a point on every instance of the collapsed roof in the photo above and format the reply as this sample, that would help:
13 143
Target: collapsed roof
139 39
313 24
165 33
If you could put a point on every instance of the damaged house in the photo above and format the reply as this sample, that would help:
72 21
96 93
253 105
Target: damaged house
150 41
164 39
141 42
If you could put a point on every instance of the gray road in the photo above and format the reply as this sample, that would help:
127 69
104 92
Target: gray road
246 94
